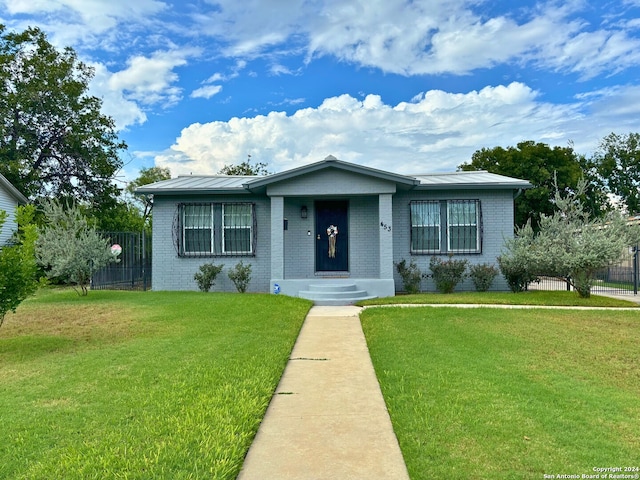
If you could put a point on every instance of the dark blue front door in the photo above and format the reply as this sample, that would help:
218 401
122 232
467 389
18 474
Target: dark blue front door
332 236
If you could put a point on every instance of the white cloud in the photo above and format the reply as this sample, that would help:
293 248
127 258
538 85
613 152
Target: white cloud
125 112
207 91
437 131
151 80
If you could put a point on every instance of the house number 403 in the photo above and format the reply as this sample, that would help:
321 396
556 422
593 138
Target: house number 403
385 226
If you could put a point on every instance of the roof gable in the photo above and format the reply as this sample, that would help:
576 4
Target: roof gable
332 163
13 191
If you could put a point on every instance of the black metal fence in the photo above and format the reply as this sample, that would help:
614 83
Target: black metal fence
133 271
622 278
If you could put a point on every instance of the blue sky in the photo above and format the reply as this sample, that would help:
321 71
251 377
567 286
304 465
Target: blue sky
411 86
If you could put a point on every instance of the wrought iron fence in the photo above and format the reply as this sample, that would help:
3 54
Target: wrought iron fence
133 271
622 278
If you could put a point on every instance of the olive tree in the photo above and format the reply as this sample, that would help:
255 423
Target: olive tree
69 248
570 244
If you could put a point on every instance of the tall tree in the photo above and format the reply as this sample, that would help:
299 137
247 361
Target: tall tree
245 168
147 176
54 141
617 163
539 164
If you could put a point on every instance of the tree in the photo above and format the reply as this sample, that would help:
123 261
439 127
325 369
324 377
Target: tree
53 139
617 163
147 176
245 168
18 267
570 244
541 165
69 248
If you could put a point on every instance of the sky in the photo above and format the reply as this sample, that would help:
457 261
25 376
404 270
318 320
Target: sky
408 86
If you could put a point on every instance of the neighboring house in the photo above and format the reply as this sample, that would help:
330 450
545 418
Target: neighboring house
10 198
327 223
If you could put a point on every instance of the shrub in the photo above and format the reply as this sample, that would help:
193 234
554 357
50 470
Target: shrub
447 273
69 248
482 276
18 269
240 275
516 272
410 274
206 277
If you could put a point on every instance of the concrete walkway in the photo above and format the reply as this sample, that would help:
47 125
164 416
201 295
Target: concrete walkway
328 419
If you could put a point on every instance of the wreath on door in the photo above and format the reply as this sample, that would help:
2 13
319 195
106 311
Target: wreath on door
332 233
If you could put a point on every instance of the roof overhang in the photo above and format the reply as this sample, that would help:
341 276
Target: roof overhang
13 191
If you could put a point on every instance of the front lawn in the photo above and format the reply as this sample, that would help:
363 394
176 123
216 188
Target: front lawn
514 394
533 297
139 385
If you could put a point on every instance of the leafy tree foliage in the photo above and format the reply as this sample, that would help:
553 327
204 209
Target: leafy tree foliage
147 176
245 168
570 244
541 165
18 269
69 248
53 139
617 165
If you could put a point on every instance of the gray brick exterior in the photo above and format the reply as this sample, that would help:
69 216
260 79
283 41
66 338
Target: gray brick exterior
379 231
497 224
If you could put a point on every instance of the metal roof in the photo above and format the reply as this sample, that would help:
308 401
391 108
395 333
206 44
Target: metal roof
217 184
475 179
194 184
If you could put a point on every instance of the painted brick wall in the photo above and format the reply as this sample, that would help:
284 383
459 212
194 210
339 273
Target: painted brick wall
171 272
497 217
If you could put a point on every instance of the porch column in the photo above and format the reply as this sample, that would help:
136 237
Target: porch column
385 220
277 238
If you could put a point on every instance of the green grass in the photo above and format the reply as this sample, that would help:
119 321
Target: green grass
510 394
534 297
139 385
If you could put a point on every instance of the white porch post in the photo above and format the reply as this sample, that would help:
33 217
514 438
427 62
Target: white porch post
277 238
385 214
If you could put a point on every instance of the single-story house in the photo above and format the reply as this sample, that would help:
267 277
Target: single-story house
326 227
10 198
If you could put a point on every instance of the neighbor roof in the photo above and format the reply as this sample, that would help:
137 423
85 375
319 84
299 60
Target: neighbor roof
194 185
13 191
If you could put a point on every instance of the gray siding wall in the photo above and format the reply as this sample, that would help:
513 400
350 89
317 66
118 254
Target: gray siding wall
8 204
497 218
171 272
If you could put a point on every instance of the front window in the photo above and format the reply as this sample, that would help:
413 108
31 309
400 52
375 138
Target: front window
212 229
463 226
425 227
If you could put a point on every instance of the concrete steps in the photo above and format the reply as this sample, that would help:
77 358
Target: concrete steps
334 294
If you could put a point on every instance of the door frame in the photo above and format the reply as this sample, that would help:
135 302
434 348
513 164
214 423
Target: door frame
321 238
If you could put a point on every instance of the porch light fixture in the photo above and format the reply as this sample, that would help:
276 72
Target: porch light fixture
303 211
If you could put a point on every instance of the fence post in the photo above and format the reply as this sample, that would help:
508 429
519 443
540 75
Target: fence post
635 270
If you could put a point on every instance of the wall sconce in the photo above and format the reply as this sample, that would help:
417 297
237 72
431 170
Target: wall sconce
303 211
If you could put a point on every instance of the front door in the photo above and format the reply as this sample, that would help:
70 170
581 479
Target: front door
332 239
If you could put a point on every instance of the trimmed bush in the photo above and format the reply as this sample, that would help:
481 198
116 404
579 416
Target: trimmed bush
482 276
206 277
410 274
447 274
240 275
